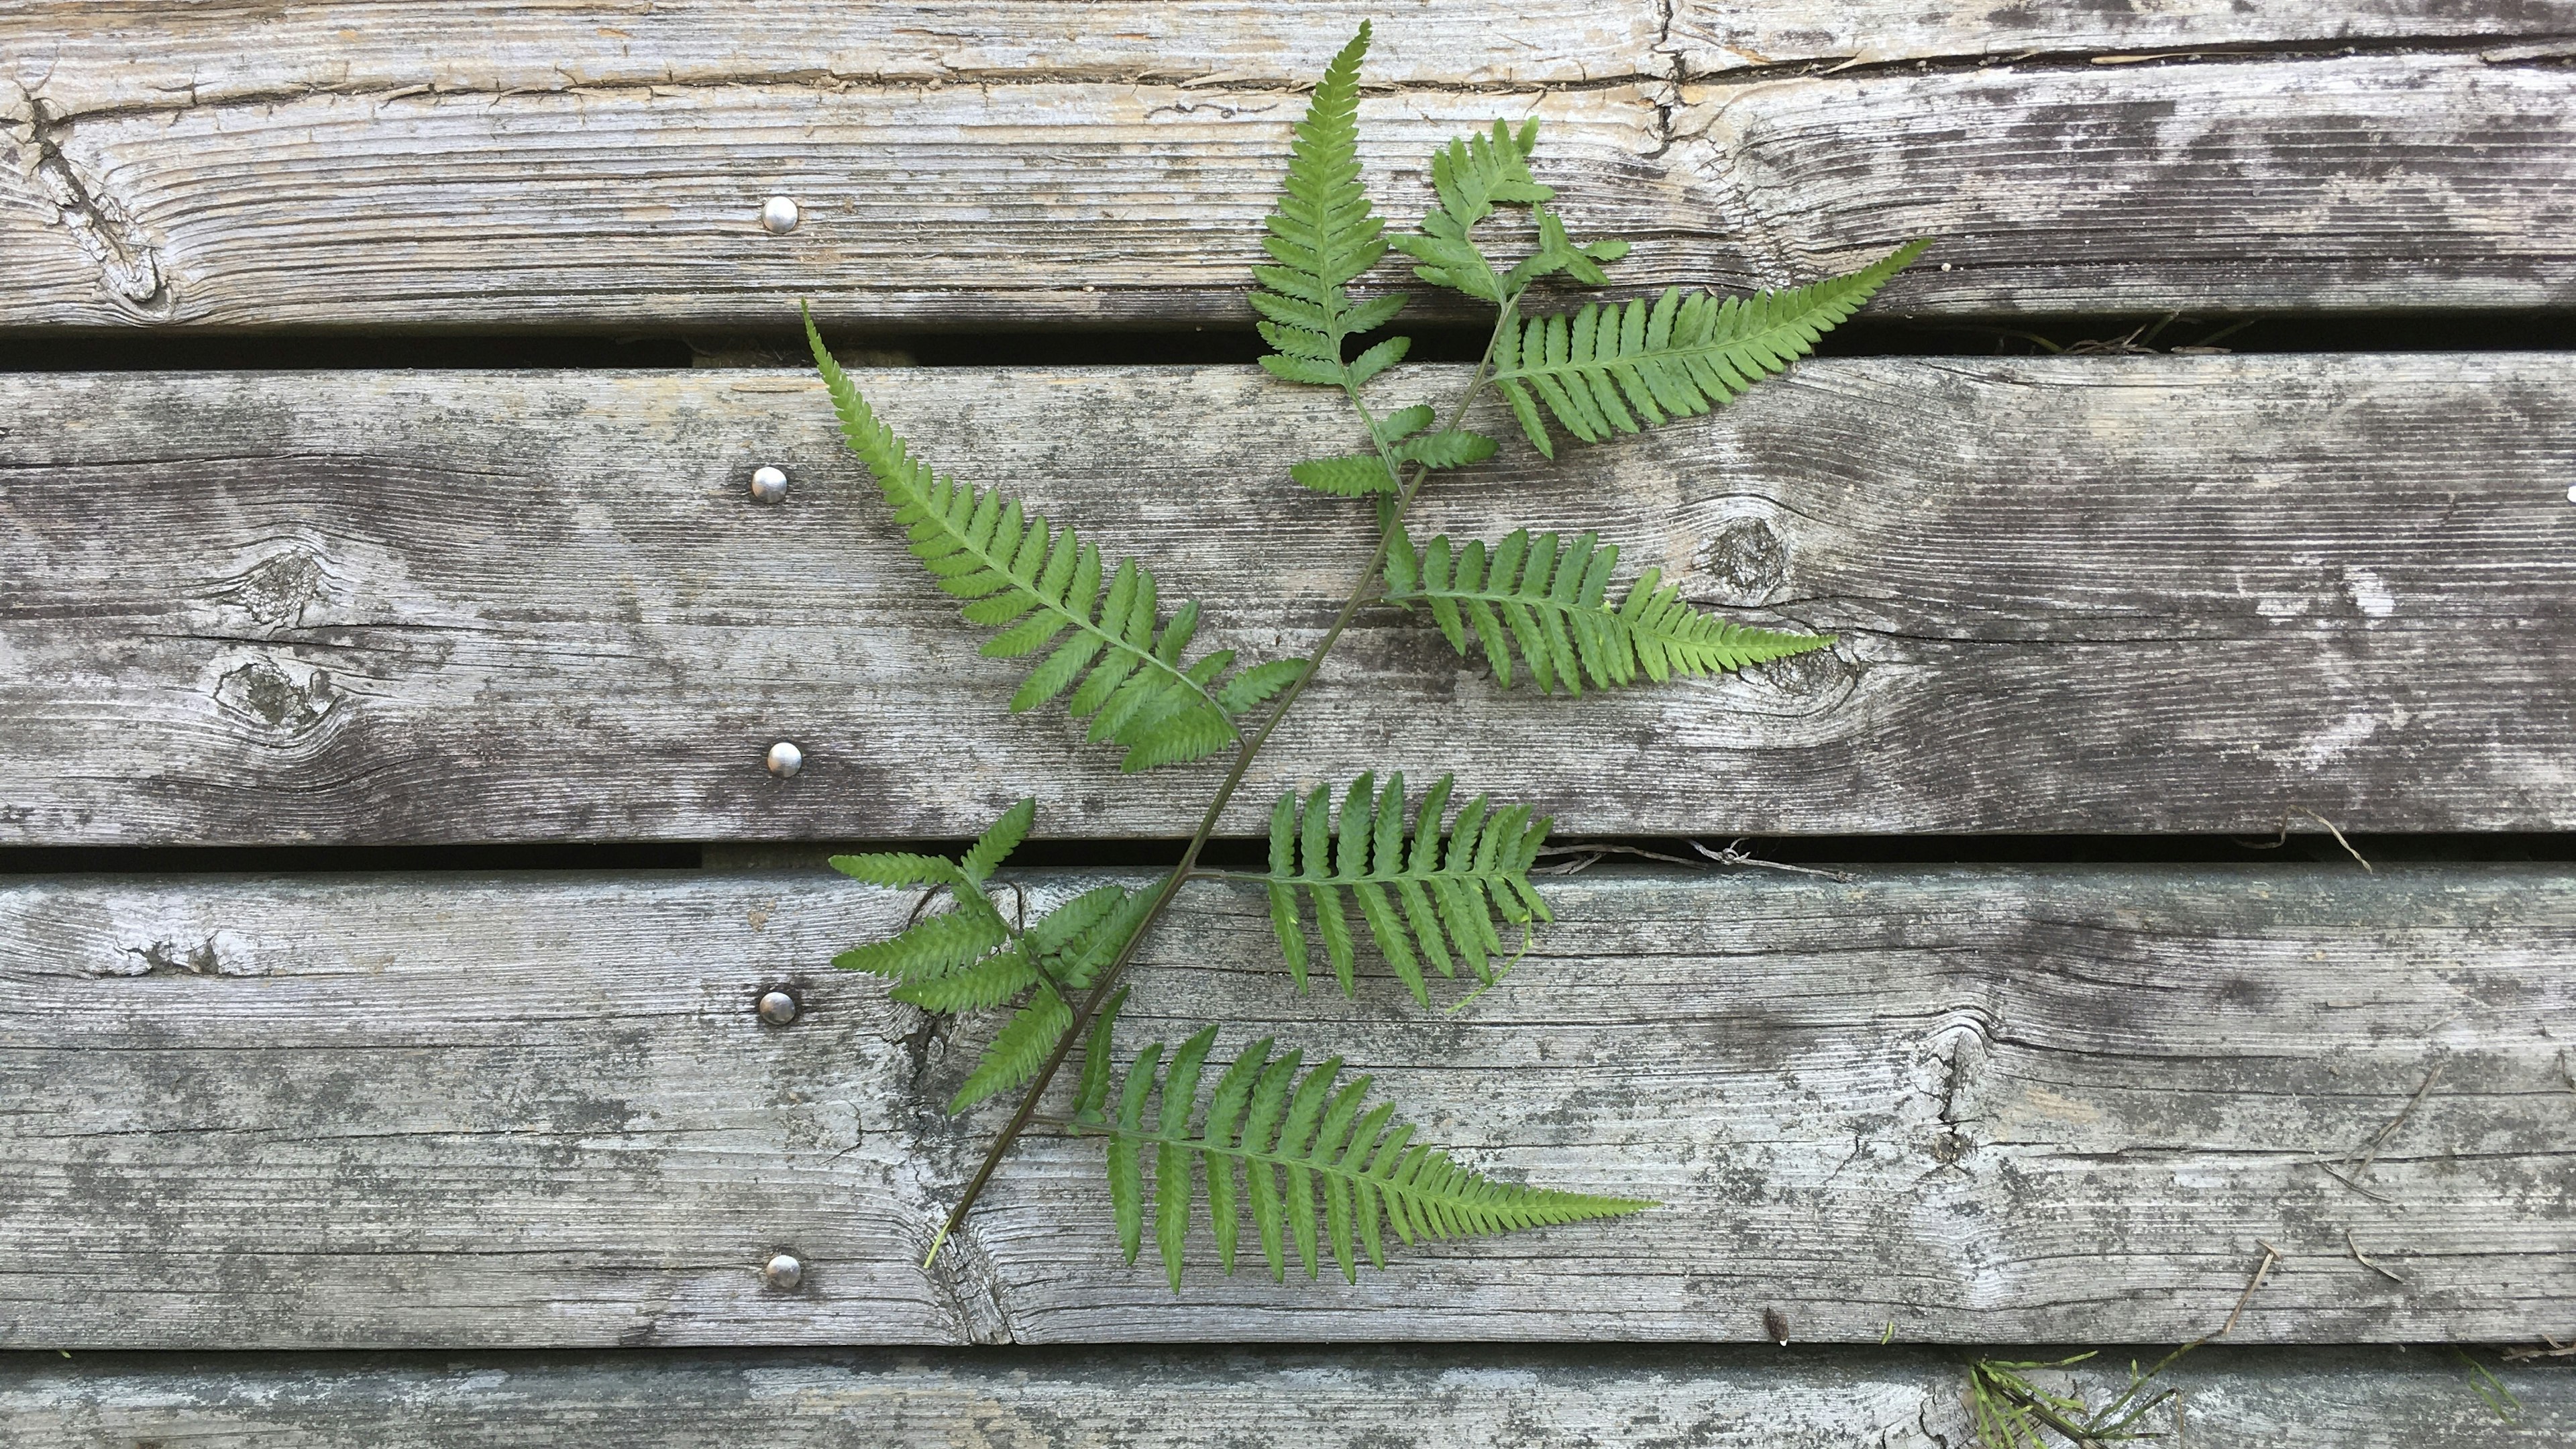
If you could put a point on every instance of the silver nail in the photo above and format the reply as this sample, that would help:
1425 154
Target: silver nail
783 1272
777 1007
768 484
785 759
779 214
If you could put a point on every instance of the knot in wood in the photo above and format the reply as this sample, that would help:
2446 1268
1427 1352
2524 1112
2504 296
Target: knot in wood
1747 560
271 698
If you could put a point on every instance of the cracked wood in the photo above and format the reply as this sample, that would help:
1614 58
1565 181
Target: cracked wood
2399 179
2087 594
1976 1104
139 55
1392 1398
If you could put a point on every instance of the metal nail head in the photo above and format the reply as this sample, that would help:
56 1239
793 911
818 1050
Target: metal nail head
778 215
778 1008
785 759
768 484
783 1272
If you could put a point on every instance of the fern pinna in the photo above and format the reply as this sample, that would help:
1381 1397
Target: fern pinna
1440 894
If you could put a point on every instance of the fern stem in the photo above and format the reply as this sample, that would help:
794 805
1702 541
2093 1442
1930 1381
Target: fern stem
1361 592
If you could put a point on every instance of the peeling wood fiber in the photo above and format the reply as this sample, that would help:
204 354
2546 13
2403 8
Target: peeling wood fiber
2085 594
1977 1105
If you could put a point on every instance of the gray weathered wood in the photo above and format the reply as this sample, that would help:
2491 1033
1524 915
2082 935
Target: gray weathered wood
2377 181
1702 1398
1950 1105
111 55
2085 594
1710 36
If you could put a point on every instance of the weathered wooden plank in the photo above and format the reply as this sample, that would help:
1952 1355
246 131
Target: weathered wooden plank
1950 1105
2083 594
2379 181
111 55
1705 1398
1710 36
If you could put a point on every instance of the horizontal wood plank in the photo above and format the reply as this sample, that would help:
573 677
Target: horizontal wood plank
2363 182
116 55
1179 1399
1946 1105
2091 594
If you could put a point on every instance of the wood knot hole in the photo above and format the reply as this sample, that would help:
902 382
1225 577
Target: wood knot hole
270 697
1747 560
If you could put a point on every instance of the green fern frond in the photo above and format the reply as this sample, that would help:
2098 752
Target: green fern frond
1090 943
1358 475
1617 368
1037 585
1421 897
1291 1136
1549 600
969 958
1324 235
936 947
1471 176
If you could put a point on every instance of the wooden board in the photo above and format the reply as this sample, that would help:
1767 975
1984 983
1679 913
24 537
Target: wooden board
2404 181
113 55
2089 594
1947 1105
1402 1399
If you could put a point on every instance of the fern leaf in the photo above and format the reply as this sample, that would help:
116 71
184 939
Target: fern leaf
1030 1036
1620 367
1040 586
1549 599
999 840
1324 235
1293 1139
1469 177
1418 904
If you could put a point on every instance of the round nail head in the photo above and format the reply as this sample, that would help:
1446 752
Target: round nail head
777 1008
783 1272
778 214
785 759
768 485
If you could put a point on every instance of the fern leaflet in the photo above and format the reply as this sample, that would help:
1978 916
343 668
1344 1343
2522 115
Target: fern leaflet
1422 898
969 958
1290 1135
1675 357
1549 600
1036 583
1401 434
1325 234
1470 176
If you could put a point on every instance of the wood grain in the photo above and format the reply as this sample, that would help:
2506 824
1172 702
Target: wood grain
2364 182
2089 594
113 55
1495 1398
1954 1105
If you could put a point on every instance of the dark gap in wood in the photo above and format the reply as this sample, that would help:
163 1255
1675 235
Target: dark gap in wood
2307 843
2529 331
285 859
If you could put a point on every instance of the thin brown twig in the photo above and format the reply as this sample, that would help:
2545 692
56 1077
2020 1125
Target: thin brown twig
2554 1350
2283 837
1734 856
2356 1187
2363 1259
2397 1121
2262 1270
